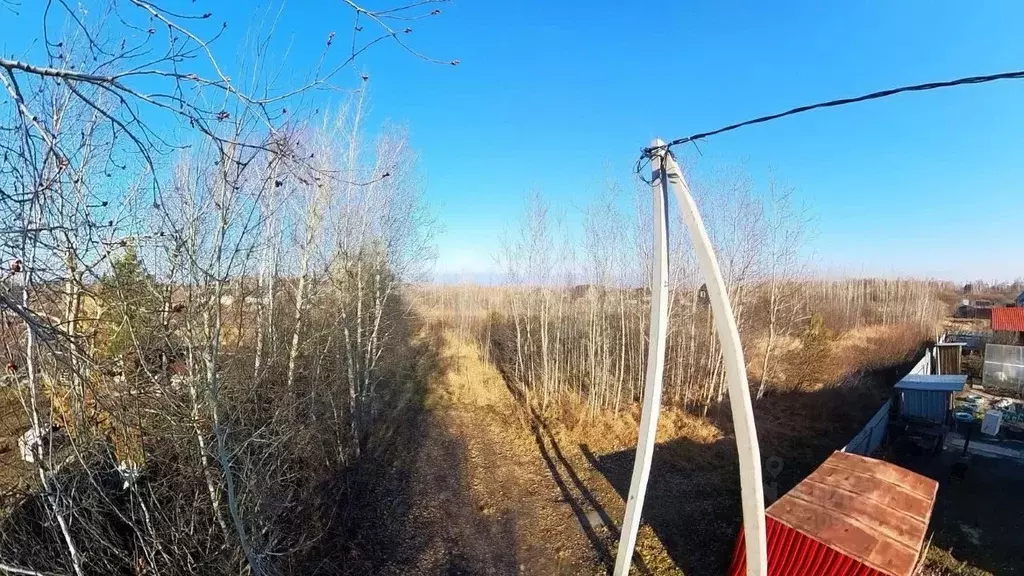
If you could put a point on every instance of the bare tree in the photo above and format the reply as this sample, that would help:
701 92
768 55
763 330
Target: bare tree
595 309
147 187
787 236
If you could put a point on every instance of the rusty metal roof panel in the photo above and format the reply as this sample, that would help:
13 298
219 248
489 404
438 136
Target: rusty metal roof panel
872 511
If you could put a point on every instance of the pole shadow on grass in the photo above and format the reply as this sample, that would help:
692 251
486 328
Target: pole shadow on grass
556 465
693 501
569 484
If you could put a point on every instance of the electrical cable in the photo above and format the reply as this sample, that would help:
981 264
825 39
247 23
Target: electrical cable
646 155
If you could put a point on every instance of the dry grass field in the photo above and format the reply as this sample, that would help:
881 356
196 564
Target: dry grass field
501 486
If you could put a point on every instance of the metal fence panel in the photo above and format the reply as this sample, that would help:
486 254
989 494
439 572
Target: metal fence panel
870 437
873 434
1004 367
972 341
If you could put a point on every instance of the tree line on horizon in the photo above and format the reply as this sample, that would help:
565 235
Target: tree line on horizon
568 320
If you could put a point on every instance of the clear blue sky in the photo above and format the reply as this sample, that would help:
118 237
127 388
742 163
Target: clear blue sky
559 96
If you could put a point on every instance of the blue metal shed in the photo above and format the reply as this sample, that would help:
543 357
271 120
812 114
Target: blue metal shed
928 397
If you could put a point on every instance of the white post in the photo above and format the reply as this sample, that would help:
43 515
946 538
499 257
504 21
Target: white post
752 489
655 368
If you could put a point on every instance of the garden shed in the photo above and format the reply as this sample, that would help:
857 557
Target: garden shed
928 397
854 515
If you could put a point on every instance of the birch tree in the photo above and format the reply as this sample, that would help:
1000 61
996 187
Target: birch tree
126 139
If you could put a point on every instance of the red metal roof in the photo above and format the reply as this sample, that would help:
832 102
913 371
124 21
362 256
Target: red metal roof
1008 319
853 515
791 552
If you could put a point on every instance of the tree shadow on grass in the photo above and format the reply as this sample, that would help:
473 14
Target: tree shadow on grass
405 507
693 495
597 525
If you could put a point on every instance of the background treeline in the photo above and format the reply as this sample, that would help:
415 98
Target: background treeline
569 321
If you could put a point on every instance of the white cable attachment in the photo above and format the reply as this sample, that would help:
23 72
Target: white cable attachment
754 526
735 369
655 368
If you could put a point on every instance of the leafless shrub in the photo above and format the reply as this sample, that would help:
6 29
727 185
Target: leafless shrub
205 299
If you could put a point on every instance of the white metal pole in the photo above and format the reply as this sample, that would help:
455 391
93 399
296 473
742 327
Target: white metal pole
752 489
655 369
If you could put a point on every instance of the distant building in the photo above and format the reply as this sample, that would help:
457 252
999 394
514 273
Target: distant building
1009 319
581 291
981 309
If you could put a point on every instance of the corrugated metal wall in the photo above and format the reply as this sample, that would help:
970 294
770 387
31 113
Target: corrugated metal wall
931 405
792 553
871 436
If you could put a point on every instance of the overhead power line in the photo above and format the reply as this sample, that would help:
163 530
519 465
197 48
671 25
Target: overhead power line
1018 75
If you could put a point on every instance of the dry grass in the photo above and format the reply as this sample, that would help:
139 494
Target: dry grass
801 425
812 364
607 432
693 511
873 347
942 563
14 472
488 491
754 351
467 378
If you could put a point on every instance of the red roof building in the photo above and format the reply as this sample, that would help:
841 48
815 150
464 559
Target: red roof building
852 516
1008 319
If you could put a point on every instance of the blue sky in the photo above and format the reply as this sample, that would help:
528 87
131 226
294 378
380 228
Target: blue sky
560 96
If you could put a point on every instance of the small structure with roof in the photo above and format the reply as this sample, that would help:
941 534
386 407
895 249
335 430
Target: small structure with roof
1009 319
981 309
927 397
948 357
853 515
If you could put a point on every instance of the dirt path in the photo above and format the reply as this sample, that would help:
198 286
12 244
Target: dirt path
490 491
